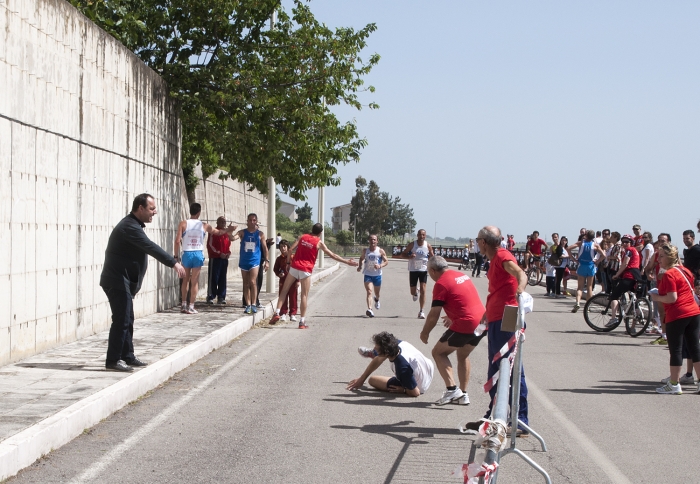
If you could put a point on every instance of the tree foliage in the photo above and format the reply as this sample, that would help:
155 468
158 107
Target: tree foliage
344 237
378 212
302 227
304 212
254 101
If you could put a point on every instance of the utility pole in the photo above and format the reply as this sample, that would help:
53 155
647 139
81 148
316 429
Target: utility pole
271 213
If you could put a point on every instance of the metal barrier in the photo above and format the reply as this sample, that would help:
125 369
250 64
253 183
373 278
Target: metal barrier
501 405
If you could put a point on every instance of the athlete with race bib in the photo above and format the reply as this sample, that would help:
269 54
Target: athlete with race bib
372 260
418 252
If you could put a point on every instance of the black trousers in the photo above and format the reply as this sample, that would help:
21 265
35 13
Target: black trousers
121 333
558 276
477 265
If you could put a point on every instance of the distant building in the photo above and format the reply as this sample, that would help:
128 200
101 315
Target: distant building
289 211
341 217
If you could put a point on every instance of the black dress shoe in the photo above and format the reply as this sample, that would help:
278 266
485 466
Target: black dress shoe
118 366
136 362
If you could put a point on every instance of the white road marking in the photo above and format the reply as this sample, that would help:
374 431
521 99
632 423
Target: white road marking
92 472
597 455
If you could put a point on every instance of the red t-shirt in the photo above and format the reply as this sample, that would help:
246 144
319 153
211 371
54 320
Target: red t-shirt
456 294
673 281
307 251
502 286
510 244
535 247
217 245
633 263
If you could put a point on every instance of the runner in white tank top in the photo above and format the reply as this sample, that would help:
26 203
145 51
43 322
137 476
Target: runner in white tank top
418 252
190 236
371 262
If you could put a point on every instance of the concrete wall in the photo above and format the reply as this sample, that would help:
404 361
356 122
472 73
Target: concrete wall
84 127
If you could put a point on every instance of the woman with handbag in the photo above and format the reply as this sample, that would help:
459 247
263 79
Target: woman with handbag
675 292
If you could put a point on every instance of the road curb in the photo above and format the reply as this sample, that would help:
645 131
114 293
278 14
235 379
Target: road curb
25 447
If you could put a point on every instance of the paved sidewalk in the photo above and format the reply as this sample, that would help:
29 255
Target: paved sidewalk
50 398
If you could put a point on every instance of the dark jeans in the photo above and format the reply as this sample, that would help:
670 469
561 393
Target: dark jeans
497 339
217 279
549 280
121 333
477 265
558 276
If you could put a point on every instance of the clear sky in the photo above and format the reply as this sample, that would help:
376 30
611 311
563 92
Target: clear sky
543 115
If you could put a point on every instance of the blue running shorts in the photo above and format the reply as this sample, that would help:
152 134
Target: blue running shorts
191 259
375 280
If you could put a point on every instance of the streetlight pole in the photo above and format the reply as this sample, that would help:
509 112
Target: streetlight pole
435 234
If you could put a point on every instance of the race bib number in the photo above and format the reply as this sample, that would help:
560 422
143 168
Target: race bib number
417 265
249 246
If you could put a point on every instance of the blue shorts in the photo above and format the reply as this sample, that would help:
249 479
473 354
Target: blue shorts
375 280
248 265
586 269
192 259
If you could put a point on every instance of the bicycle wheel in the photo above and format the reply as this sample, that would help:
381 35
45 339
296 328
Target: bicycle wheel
597 313
636 324
534 276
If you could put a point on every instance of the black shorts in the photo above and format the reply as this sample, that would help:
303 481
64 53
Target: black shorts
621 286
415 276
458 340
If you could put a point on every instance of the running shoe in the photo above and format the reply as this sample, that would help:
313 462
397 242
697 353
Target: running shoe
449 396
254 309
303 325
376 303
463 400
191 310
183 309
367 352
293 317
421 315
670 389
684 380
415 297
576 308
612 322
518 432
659 341
220 301
369 313
274 318
283 317
249 310
210 301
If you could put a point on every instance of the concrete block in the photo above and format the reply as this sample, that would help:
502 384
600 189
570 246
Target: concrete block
46 333
66 327
67 207
22 340
67 288
84 322
67 160
18 249
5 81
86 205
23 148
23 197
85 246
5 346
86 165
47 293
102 168
5 303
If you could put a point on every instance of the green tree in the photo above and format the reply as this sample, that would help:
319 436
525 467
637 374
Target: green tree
302 227
283 223
344 237
303 213
254 101
378 212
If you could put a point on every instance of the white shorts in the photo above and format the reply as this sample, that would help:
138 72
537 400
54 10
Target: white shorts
297 274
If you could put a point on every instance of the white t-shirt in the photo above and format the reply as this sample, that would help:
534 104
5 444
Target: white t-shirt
193 236
422 367
647 252
371 258
420 262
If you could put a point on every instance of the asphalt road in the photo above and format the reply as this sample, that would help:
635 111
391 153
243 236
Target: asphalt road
271 407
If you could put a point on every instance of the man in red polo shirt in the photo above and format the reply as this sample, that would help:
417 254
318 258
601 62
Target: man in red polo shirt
455 293
506 281
533 248
305 251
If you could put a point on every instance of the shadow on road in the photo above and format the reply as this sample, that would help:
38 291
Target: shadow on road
625 387
396 430
381 399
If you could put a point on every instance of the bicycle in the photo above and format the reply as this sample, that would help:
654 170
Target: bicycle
634 311
535 271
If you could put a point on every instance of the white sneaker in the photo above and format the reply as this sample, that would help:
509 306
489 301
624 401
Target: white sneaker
464 400
369 313
450 395
612 322
421 315
669 389
367 352
376 304
283 317
684 380
415 298
292 317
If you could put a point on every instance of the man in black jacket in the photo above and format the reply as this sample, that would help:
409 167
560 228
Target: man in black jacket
126 260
